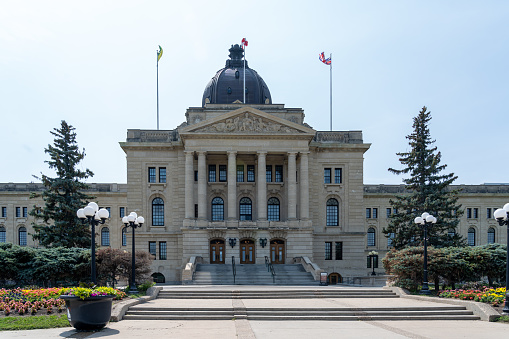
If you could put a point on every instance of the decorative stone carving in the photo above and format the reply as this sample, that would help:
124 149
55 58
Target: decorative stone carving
214 234
247 123
247 234
278 234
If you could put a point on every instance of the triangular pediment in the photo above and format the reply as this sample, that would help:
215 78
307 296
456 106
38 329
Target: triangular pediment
247 120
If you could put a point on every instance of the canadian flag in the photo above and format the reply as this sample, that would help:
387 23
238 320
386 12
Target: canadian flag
244 42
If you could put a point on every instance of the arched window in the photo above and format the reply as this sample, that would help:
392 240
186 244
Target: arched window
2 234
105 236
22 236
471 237
245 209
273 209
217 209
371 237
157 212
332 212
390 239
124 236
491 235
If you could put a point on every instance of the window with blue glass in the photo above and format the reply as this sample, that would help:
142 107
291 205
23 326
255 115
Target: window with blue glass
471 237
491 235
273 209
157 212
217 209
250 173
162 250
332 212
122 212
268 173
151 174
338 175
162 174
2 234
326 175
212 173
22 236
105 236
245 209
240 173
223 174
4 212
371 237
279 173
124 236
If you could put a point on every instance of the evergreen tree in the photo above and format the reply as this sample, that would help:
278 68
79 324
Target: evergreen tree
63 195
428 191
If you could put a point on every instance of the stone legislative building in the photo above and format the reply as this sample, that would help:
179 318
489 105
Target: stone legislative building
249 180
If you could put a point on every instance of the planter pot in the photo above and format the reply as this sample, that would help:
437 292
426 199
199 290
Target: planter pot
91 313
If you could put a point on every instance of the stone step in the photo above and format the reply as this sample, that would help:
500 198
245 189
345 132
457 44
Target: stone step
276 294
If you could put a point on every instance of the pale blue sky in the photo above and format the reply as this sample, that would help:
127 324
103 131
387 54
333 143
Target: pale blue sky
93 64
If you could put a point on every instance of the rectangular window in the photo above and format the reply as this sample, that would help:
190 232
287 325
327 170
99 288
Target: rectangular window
368 213
328 251
240 173
389 212
196 210
151 174
394 211
268 173
375 213
122 212
338 175
279 173
18 212
469 213
212 173
476 213
162 250
124 236
2 235
162 174
152 247
25 212
195 175
488 213
4 212
326 175
223 174
339 250
390 239
250 173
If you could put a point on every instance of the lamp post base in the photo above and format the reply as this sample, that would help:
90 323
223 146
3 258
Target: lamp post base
133 290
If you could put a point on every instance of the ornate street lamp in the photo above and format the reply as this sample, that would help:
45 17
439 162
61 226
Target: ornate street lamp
502 216
263 242
424 221
232 241
372 261
134 221
95 216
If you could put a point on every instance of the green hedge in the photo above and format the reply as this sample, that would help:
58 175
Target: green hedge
449 264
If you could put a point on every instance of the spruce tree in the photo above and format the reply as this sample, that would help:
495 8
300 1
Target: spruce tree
63 195
428 190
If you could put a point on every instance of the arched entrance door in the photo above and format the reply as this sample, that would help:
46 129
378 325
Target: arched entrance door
217 251
277 251
247 251
335 278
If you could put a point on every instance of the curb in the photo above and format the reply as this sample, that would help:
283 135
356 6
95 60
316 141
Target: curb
484 311
118 311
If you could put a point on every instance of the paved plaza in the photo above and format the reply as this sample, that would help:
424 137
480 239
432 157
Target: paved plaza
236 328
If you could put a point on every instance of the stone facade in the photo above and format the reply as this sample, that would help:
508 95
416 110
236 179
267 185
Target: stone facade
248 174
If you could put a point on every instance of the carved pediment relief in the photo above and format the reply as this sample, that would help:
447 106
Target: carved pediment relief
214 234
247 234
247 123
280 234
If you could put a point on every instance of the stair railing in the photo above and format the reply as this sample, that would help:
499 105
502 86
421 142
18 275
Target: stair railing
273 272
234 270
267 263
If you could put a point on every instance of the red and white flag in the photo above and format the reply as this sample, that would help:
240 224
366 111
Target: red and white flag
244 42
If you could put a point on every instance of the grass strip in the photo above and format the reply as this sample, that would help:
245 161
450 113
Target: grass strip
33 322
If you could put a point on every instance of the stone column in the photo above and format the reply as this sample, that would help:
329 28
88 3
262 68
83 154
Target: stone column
292 186
202 186
232 185
304 186
261 186
189 185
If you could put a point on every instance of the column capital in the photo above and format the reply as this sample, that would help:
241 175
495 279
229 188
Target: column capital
304 153
231 152
262 153
201 152
188 153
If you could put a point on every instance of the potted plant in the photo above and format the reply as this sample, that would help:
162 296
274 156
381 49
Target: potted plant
88 308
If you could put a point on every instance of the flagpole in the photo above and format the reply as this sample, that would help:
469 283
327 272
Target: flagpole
157 67
331 92
244 48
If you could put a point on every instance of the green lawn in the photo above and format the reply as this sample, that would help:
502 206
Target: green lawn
33 322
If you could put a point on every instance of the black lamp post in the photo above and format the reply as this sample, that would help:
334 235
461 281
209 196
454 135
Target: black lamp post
263 242
502 216
133 221
95 216
424 221
232 242
373 261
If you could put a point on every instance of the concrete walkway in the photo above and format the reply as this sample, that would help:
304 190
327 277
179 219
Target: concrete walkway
211 329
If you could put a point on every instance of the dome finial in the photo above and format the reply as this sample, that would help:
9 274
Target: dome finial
236 52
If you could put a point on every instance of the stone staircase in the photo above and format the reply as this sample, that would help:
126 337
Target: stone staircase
274 311
289 274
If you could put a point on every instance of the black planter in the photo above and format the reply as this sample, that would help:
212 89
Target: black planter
91 313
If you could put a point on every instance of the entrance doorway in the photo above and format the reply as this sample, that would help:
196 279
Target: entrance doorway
247 251
217 251
335 278
277 251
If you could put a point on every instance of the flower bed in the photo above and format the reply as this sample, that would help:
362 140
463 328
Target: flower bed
46 300
492 296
